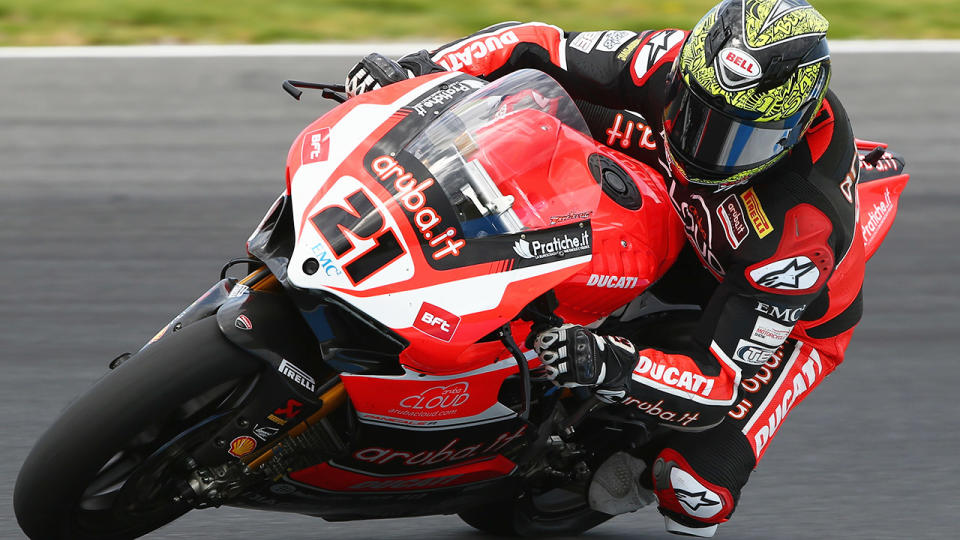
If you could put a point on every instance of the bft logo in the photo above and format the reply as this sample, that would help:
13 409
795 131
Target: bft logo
436 322
316 146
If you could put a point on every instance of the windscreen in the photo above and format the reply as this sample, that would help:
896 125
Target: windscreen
501 157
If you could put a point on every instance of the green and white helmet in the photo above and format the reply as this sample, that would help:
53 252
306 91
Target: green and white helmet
744 88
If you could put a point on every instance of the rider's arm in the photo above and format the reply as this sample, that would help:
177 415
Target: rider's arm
609 68
748 317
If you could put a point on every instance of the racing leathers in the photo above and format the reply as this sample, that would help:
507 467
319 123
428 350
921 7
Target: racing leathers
784 255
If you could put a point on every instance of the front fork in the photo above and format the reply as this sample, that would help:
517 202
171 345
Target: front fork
278 419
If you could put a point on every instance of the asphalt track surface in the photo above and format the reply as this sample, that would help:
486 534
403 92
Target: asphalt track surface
126 183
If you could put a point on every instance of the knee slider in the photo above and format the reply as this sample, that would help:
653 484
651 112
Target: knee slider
686 497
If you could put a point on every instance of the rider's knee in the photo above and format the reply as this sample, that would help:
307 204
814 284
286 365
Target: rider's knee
698 485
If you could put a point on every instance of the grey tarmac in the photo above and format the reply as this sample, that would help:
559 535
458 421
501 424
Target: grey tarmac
126 183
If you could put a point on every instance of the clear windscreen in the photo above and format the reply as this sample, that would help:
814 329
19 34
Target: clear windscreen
501 155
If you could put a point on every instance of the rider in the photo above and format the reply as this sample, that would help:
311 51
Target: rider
759 160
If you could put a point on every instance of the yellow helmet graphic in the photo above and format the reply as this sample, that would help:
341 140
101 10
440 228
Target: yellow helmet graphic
747 82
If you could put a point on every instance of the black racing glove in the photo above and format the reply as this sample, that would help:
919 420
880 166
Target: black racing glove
574 356
376 71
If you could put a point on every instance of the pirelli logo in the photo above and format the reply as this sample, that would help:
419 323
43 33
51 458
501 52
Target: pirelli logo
757 216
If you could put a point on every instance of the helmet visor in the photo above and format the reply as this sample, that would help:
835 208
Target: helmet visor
712 147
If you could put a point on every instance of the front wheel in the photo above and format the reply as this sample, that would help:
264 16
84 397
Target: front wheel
105 469
554 513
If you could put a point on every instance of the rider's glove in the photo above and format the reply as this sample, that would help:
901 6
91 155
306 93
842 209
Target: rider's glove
574 356
376 71
373 71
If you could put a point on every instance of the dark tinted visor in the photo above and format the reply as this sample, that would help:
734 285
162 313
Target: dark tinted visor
706 139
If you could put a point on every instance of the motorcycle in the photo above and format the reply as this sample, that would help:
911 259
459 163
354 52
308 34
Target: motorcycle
374 361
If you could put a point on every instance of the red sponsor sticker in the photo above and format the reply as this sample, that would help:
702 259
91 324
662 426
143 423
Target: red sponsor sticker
290 410
436 322
734 221
316 146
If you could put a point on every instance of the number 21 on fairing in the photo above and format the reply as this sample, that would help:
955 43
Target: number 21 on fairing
361 217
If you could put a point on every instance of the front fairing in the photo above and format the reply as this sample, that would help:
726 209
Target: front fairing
433 219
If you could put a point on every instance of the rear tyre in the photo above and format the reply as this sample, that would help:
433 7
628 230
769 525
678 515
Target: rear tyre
554 513
103 470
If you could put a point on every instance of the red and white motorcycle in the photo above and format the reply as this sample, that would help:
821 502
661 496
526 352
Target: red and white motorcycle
372 364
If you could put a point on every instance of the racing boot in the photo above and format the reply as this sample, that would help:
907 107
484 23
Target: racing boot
615 487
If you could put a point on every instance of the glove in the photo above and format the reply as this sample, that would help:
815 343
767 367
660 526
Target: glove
376 71
574 356
373 71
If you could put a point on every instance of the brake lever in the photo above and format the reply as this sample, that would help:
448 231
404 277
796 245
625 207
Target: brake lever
329 91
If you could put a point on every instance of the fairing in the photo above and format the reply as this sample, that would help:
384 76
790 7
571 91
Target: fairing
438 226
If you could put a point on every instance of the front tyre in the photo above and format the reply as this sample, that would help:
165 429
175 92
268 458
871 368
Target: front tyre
72 483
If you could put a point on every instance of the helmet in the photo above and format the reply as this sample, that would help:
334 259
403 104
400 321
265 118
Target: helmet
744 88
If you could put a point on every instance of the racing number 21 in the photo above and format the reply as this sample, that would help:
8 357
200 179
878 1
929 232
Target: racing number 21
364 220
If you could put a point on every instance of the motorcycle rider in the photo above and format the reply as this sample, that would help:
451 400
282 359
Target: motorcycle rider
760 164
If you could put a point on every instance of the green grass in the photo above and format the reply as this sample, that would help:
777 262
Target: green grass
96 22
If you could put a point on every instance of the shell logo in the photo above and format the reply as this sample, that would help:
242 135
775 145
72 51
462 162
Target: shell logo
242 446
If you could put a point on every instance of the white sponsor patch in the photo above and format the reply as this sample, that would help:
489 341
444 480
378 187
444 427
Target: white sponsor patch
612 282
298 375
751 353
769 332
556 247
795 274
614 39
696 499
585 41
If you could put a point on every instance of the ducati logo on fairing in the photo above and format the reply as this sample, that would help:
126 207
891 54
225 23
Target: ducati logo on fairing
612 282
243 322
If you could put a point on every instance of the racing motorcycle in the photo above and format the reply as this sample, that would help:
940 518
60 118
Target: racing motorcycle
374 361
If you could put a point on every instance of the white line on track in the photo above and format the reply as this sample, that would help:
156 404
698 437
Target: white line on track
352 50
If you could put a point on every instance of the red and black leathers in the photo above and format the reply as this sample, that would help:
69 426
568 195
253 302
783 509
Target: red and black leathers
784 251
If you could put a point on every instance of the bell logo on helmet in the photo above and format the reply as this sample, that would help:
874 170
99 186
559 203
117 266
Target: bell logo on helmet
740 63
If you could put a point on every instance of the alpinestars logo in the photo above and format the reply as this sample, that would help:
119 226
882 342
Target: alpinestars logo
798 273
558 246
649 56
693 501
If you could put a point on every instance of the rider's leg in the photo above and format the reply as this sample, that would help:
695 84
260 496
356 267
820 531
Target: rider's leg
697 477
